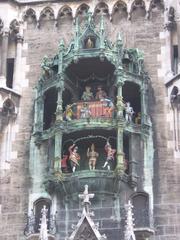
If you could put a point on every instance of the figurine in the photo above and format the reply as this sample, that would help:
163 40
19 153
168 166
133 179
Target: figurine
87 94
109 106
64 163
128 112
100 94
110 155
92 155
74 157
89 43
68 113
138 118
85 111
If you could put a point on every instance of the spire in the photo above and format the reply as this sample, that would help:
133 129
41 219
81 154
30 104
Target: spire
43 225
86 203
102 24
129 228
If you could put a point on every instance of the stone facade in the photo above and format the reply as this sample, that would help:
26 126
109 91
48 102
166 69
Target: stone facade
41 25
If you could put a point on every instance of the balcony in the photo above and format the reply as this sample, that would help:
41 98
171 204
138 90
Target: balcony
72 183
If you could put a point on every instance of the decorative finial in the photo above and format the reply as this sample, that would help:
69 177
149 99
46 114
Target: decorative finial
119 39
61 44
129 228
102 24
86 196
43 225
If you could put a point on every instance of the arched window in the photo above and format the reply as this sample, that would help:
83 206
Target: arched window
140 202
38 206
8 108
50 104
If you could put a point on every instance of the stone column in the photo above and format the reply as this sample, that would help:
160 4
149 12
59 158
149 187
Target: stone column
144 104
178 37
4 55
57 152
134 157
17 73
120 122
38 112
59 109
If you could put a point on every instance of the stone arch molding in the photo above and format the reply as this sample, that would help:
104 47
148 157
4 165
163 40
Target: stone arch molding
102 7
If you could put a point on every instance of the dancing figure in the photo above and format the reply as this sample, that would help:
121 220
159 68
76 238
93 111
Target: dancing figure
92 155
110 152
74 157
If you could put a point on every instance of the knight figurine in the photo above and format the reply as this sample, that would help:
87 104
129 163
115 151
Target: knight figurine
74 157
110 152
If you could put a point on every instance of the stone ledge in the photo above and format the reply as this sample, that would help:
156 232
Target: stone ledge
35 236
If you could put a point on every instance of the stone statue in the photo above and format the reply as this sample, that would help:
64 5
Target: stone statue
85 111
74 157
46 66
138 118
89 43
128 112
100 94
92 155
43 235
87 94
109 155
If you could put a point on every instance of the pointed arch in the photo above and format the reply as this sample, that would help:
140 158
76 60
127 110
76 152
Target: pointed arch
140 202
65 11
82 9
38 205
30 15
1 24
14 26
8 107
120 8
47 13
101 9
156 4
138 9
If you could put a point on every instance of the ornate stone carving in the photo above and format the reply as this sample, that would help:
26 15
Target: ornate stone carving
14 27
1 25
102 9
170 18
30 16
129 229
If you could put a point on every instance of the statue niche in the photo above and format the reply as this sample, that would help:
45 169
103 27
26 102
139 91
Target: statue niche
90 42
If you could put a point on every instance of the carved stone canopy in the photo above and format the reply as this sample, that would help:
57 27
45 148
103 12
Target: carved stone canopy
86 229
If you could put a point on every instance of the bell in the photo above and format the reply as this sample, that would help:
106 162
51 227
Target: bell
126 58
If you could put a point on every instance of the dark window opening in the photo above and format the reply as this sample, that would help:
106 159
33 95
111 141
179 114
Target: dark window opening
141 210
39 204
131 95
10 72
175 59
50 104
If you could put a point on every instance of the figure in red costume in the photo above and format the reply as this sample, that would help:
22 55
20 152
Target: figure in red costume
74 157
109 155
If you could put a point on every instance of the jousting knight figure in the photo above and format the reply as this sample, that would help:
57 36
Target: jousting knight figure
110 152
74 157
